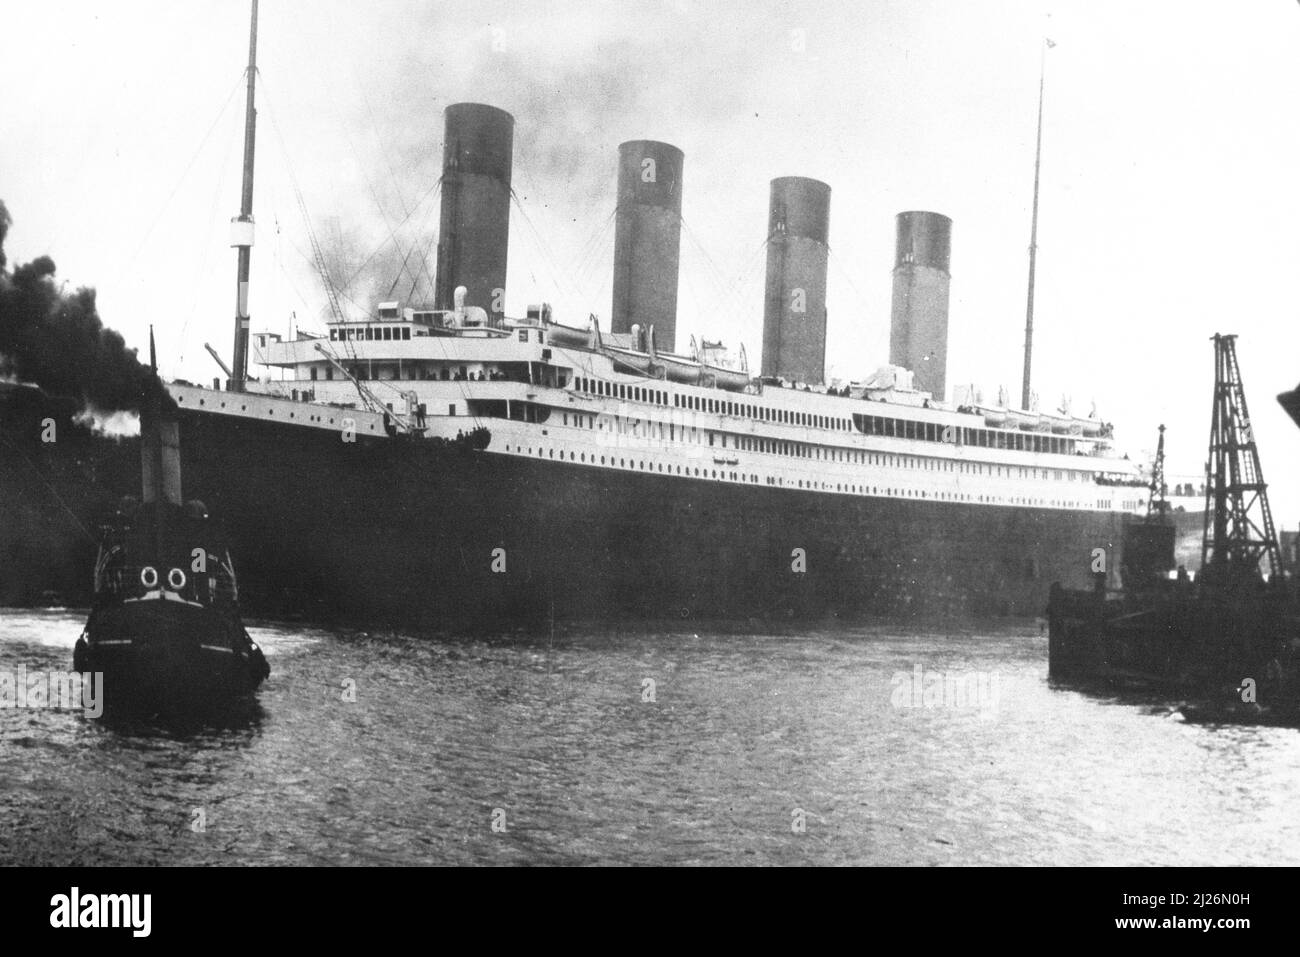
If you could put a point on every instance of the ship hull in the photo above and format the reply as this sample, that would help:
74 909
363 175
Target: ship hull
167 656
1237 646
442 537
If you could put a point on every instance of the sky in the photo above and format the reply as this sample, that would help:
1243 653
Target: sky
1169 197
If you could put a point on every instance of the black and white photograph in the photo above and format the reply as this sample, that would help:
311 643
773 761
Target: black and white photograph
673 433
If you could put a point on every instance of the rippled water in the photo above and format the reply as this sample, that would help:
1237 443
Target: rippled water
746 735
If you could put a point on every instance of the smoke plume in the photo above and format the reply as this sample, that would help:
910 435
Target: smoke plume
57 341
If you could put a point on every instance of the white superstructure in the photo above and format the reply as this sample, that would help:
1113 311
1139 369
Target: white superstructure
554 393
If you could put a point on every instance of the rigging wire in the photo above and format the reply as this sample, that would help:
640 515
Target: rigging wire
728 289
392 175
432 189
374 126
52 490
383 215
193 159
213 218
882 331
424 268
718 277
423 271
588 249
736 294
318 256
548 260
424 262
590 254
398 277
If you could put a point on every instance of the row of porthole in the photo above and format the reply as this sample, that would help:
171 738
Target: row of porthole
907 462
824 485
708 473
623 463
912 493
271 411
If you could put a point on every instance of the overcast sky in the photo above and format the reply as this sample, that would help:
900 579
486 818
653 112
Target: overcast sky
1169 203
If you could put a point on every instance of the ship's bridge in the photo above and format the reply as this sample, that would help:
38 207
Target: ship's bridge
411 343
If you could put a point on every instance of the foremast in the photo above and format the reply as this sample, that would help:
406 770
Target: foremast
242 226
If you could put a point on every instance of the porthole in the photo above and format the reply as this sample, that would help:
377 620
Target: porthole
149 576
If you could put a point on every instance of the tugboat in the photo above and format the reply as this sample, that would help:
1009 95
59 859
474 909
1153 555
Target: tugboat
1229 635
164 627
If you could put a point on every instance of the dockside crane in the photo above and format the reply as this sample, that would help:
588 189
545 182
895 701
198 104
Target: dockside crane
1238 531
1230 634
1157 502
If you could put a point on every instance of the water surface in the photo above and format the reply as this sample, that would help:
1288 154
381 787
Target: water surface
746 738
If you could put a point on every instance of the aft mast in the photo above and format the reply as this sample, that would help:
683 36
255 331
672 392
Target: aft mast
1033 232
241 228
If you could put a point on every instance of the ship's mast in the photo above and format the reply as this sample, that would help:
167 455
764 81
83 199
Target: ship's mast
242 226
1033 232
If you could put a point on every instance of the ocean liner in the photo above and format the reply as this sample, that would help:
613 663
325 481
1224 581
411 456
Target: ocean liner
436 463
444 465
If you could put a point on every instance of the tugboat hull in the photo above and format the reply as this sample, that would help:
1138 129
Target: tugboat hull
159 654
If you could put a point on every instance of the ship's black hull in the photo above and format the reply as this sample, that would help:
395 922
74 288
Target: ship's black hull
445 538
58 481
390 532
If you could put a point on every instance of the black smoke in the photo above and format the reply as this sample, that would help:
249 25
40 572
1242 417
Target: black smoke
56 340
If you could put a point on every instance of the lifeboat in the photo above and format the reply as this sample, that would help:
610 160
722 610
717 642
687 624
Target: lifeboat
1030 421
994 418
1064 425
567 336
688 370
